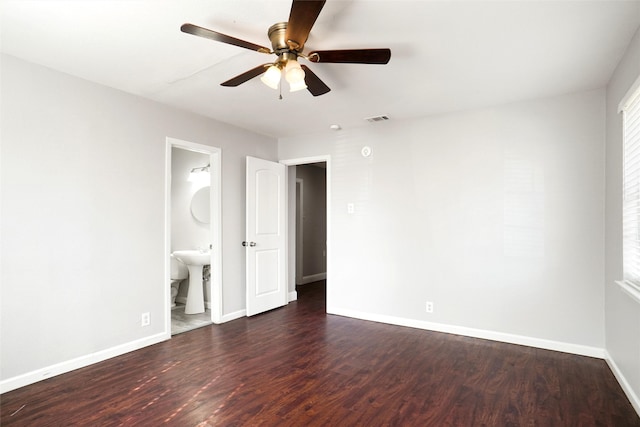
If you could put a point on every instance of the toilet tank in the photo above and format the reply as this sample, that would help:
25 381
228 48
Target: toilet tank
179 269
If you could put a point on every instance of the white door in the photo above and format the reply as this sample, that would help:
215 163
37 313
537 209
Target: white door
265 242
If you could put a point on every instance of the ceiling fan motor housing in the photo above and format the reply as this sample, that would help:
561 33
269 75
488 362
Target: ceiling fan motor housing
278 35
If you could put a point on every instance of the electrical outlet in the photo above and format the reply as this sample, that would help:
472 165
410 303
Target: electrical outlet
429 307
145 319
351 208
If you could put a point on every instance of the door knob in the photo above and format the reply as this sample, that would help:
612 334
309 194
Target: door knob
252 244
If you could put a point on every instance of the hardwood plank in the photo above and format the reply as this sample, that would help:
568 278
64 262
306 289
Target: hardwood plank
298 366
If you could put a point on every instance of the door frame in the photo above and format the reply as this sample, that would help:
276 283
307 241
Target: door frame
299 252
215 229
305 161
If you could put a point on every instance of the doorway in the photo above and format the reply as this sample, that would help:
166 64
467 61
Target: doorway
192 222
308 223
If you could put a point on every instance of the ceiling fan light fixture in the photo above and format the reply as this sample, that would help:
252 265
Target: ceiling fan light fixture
294 74
272 77
296 86
287 42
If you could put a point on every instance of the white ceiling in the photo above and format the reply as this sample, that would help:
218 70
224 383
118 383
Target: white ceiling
446 55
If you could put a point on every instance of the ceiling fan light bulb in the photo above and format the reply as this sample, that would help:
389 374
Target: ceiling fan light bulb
271 77
295 75
296 86
294 72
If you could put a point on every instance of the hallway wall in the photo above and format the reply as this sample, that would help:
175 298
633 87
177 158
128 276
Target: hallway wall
314 223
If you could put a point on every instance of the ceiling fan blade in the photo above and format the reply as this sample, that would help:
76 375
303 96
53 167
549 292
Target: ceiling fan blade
301 18
313 82
351 56
246 76
219 37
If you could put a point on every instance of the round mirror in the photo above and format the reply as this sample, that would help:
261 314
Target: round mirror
200 205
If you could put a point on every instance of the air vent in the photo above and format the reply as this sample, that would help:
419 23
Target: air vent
377 119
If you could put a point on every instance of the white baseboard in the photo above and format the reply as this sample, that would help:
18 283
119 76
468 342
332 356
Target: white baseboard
293 296
626 387
312 278
89 359
475 333
79 362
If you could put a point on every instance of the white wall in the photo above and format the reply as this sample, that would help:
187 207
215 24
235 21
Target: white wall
622 312
83 200
495 215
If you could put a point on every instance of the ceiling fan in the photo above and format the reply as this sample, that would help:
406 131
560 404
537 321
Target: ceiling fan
287 41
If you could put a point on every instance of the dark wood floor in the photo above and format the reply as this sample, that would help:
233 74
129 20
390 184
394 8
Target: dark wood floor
296 366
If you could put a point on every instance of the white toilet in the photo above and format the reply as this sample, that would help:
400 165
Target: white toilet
179 272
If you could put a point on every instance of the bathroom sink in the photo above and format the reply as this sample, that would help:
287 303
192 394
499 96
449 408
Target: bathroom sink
193 257
195 295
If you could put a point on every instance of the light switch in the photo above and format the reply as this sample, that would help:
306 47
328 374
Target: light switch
351 208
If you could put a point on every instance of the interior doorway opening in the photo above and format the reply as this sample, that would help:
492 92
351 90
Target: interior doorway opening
193 224
311 223
308 223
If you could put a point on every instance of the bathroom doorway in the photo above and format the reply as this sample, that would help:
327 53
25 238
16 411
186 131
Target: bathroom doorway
308 223
193 226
